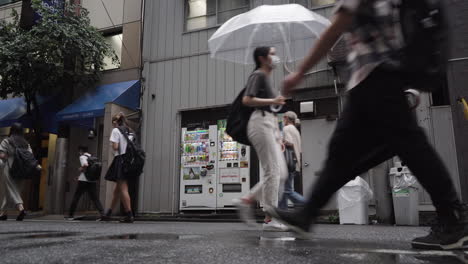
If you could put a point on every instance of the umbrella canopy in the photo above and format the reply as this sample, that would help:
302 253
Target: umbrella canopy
292 29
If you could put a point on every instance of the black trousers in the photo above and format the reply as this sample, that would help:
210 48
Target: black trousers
377 124
90 188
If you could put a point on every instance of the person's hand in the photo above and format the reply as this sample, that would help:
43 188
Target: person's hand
283 147
279 100
290 82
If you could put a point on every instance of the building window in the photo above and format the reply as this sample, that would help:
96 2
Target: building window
313 3
115 40
208 13
5 2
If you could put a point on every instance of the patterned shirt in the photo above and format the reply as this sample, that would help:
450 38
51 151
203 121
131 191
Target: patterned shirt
374 37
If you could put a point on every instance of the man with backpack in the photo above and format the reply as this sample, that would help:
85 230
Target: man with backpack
89 174
377 121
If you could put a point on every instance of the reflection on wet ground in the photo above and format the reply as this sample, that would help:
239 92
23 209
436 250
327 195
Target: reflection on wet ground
147 236
358 252
25 232
49 235
36 245
317 250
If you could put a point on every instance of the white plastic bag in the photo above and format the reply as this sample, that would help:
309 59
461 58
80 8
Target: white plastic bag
402 178
353 192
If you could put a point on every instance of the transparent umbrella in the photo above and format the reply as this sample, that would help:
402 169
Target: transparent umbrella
292 29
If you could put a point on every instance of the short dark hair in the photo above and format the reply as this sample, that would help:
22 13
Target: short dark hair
83 149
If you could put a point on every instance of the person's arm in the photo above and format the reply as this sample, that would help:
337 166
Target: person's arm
288 144
341 22
256 102
114 139
256 82
83 163
287 137
4 145
115 146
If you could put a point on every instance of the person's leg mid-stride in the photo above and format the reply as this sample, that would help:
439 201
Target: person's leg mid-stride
376 119
377 122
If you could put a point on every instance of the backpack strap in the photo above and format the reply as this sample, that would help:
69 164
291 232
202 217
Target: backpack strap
124 133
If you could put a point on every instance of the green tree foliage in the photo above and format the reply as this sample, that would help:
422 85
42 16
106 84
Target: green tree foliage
62 51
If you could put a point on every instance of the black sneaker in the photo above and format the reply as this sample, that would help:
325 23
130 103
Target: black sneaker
443 237
69 218
105 218
3 217
292 219
127 219
21 215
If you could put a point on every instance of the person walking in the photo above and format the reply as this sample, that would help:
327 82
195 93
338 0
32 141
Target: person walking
84 185
10 187
115 173
263 132
293 150
376 124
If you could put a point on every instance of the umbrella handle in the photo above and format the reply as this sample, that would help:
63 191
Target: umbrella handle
276 108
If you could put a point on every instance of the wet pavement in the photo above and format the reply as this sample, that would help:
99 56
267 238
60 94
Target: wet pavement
185 242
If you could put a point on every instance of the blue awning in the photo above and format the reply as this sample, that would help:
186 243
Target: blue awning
92 104
14 110
11 110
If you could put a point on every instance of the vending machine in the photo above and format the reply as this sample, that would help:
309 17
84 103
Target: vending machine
198 181
233 169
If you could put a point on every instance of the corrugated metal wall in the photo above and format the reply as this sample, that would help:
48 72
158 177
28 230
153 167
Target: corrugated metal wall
180 75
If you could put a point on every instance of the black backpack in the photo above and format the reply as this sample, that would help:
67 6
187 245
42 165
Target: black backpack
93 171
424 55
133 160
426 43
24 163
239 115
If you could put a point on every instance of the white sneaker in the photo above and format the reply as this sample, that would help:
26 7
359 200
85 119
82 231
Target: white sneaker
245 212
274 226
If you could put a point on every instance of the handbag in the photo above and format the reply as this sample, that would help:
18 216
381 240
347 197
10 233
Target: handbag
290 157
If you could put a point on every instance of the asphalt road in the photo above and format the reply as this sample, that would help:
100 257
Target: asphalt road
35 241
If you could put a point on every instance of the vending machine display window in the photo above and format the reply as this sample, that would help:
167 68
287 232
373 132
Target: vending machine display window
196 148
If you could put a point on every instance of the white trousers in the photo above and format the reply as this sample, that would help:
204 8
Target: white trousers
264 134
9 188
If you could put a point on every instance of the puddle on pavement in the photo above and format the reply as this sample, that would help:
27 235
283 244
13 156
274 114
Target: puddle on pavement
350 254
49 235
36 245
25 232
149 237
384 256
277 239
405 258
